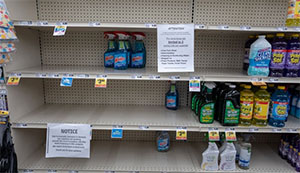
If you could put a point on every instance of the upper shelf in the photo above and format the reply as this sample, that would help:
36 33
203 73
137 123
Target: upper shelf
90 26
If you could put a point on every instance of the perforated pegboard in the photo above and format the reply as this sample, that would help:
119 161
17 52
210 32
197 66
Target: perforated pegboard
85 48
116 11
241 12
118 92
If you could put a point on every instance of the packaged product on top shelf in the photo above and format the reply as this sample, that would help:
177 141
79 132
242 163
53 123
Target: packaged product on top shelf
210 157
122 55
111 49
246 103
292 64
279 105
172 97
138 58
261 107
278 59
163 141
260 56
247 51
293 15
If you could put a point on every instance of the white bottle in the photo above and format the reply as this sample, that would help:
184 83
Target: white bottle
228 158
260 57
210 157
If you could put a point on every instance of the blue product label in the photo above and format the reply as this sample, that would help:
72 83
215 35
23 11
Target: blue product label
137 59
279 110
260 57
109 59
66 81
162 144
117 133
171 101
120 60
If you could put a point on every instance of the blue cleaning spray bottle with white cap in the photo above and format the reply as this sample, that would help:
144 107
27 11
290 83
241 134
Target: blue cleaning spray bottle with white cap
111 50
122 55
138 58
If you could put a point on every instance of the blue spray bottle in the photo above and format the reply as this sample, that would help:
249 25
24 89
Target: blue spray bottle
121 55
172 97
138 58
110 52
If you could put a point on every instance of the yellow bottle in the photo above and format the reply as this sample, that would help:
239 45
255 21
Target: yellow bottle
293 16
246 103
261 107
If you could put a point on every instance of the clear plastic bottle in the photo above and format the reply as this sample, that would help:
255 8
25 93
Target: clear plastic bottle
280 101
246 102
210 157
261 107
245 153
227 162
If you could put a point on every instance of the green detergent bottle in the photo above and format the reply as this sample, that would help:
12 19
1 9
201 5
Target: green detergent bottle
206 108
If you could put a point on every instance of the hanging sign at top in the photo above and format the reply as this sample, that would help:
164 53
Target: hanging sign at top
175 47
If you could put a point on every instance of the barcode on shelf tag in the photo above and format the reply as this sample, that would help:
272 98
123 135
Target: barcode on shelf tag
195 85
42 23
27 170
94 23
143 127
20 125
253 130
66 81
24 23
154 76
82 75
224 27
41 75
276 130
52 75
174 77
181 133
230 135
273 79
283 28
245 27
52 171
199 26
60 30
68 75
137 76
150 25
213 135
101 81
257 81
292 130
117 132
13 80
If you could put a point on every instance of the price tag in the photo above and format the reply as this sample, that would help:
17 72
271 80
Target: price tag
101 82
117 132
199 26
223 27
137 76
258 82
42 23
27 171
273 79
292 130
82 75
181 133
245 27
150 25
41 75
109 171
194 85
20 125
66 81
253 130
94 23
283 28
52 171
154 77
230 135
53 75
276 130
213 135
25 23
174 77
297 29
13 80
60 30
73 171
144 127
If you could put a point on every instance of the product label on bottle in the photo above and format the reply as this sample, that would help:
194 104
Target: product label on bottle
109 59
261 110
207 113
246 110
245 156
293 59
171 101
162 144
260 57
278 58
120 60
231 114
279 110
137 59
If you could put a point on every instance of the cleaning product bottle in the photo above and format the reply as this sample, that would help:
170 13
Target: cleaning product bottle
128 48
292 64
138 57
294 100
230 107
163 141
121 55
172 97
246 103
279 107
210 157
260 56
245 152
206 113
270 38
291 149
218 106
279 50
261 107
298 108
293 16
295 153
237 145
250 40
111 50
227 162
298 163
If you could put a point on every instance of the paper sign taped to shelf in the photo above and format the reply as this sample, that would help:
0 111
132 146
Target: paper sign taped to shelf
194 85
230 135
101 82
213 135
175 47
181 134
66 81
13 80
60 30
68 140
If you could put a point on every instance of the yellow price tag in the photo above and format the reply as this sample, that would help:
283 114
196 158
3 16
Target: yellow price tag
13 80
213 135
101 83
181 134
258 83
230 135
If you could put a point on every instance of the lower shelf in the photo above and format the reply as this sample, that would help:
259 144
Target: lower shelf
119 156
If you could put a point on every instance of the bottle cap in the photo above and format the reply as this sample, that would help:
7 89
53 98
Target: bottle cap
247 86
232 86
281 87
263 87
280 35
261 36
295 35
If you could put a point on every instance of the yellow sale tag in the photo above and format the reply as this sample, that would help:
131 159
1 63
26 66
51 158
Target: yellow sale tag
213 135
101 83
13 80
230 135
181 134
258 83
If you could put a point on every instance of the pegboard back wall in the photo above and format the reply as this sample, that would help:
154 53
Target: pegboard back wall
118 92
212 49
116 11
240 12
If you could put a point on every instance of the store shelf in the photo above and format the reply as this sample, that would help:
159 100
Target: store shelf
106 117
88 26
143 157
